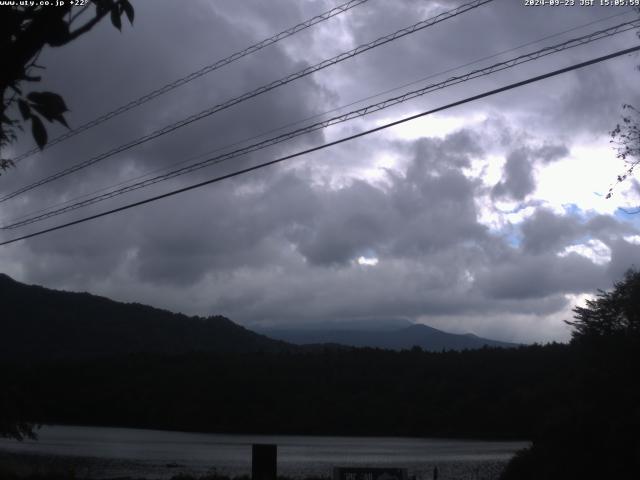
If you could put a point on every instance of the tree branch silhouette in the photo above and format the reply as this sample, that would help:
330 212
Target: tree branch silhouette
26 30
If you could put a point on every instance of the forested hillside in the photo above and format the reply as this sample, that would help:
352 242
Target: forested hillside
48 324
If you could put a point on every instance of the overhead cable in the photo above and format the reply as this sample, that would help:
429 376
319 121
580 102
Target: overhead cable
361 112
253 93
197 74
326 145
312 117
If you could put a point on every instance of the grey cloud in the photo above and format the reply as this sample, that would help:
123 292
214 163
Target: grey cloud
152 50
636 187
427 208
539 276
518 180
546 232
221 230
624 255
350 222
594 102
551 153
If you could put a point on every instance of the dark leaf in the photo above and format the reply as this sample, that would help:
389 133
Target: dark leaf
115 18
50 105
38 131
25 110
51 102
48 115
128 10
43 111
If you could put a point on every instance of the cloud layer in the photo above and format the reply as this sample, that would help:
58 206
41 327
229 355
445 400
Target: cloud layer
458 220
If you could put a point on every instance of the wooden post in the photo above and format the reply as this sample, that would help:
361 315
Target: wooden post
264 462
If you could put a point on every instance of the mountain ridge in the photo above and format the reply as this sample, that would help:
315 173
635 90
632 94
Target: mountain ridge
404 338
57 324
42 323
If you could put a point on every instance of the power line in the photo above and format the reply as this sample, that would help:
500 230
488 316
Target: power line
260 90
318 115
197 74
361 112
330 144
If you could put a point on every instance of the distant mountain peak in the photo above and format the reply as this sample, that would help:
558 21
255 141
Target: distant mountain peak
403 338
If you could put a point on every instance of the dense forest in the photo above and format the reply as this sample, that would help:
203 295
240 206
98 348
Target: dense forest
483 393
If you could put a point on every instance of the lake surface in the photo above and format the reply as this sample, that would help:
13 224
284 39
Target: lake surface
111 452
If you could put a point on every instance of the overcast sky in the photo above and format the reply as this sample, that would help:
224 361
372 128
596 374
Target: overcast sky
488 218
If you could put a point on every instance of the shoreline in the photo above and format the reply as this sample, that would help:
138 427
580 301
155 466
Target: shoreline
62 467
462 437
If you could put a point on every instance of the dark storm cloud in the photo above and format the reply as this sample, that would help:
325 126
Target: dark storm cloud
426 208
160 35
624 255
222 230
245 223
518 178
539 276
350 222
537 271
545 231
437 50
168 45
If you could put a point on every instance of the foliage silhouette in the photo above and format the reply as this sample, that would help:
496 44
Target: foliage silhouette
592 431
615 313
626 138
25 31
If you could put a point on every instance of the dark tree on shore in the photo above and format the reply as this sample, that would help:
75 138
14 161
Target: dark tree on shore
16 415
591 432
24 32
611 313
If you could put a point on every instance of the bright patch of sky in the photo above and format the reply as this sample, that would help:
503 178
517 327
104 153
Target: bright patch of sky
582 179
431 125
635 239
594 249
367 261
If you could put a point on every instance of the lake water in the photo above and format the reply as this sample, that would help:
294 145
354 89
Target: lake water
116 452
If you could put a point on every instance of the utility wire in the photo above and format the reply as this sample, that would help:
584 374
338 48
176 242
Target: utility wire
199 73
312 117
260 90
361 112
326 145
